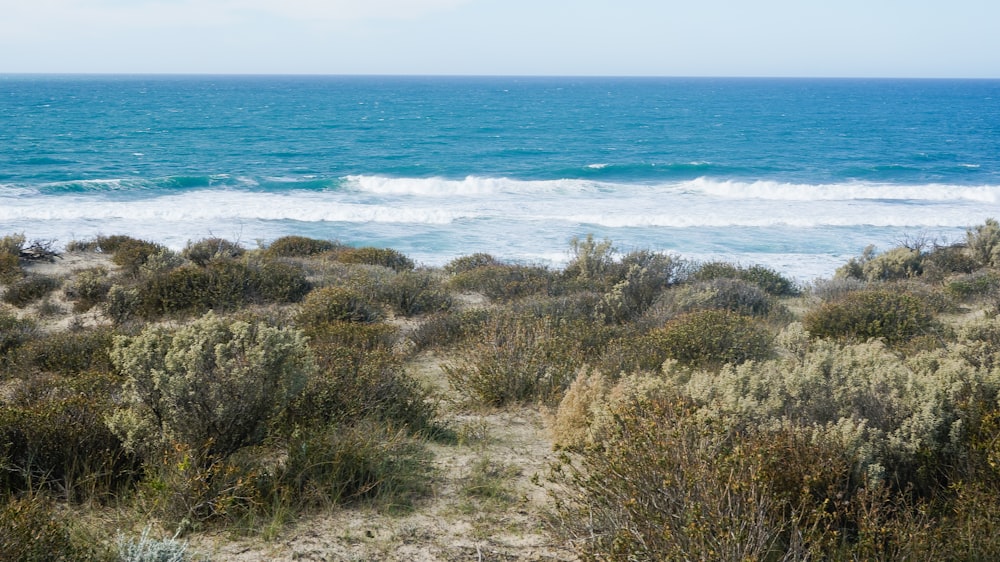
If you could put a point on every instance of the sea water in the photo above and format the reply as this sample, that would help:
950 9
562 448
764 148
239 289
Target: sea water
795 174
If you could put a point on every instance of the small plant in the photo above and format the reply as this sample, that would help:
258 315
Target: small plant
10 257
146 549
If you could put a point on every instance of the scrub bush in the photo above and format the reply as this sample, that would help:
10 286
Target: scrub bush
214 383
894 264
974 285
592 263
871 313
33 530
470 262
505 282
10 257
71 352
644 277
14 332
335 304
984 242
415 292
29 289
221 285
770 281
734 295
298 247
127 252
53 436
352 384
209 249
515 359
385 257
713 337
88 288
346 464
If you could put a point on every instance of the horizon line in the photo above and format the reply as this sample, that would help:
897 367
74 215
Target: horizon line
521 76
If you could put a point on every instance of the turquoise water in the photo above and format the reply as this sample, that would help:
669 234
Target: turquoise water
795 174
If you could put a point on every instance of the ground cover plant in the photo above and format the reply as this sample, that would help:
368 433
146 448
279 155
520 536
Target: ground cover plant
684 410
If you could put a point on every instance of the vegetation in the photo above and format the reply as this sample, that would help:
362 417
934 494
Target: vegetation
700 410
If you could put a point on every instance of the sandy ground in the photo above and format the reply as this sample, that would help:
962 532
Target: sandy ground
447 526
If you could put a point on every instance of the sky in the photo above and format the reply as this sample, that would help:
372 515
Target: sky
809 38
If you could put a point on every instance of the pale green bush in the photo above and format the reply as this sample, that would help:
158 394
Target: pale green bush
211 382
897 263
891 413
984 242
646 275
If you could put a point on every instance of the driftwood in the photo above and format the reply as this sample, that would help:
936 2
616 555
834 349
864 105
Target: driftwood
39 251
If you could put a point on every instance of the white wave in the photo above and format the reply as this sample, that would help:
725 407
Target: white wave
770 190
225 205
470 186
599 166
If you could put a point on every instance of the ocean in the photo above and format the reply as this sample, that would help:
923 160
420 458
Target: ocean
795 174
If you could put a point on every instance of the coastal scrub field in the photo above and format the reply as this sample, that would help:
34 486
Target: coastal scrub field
311 400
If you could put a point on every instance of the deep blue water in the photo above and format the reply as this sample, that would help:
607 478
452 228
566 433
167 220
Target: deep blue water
799 174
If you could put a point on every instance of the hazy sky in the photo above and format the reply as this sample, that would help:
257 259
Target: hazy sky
890 38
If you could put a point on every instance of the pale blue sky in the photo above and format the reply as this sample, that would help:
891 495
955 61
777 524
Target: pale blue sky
884 38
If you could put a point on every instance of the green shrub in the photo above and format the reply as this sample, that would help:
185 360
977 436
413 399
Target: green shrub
734 295
444 329
211 383
10 260
943 261
361 383
221 285
71 352
984 242
592 263
298 246
470 262
88 288
385 257
343 464
770 281
870 313
515 359
665 488
644 277
208 249
713 337
505 282
335 304
127 252
410 293
29 289
894 264
974 285
14 332
53 436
